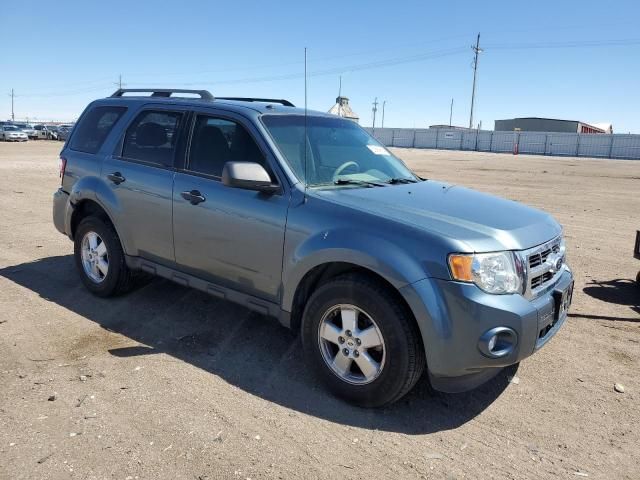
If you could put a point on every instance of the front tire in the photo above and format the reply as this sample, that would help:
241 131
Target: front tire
100 259
362 341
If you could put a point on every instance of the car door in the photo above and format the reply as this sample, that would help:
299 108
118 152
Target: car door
140 175
232 237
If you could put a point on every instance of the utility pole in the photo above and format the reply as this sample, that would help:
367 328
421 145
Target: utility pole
119 82
374 110
340 97
451 112
383 104
12 97
477 51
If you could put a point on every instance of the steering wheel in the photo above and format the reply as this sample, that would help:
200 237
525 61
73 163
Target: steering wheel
343 167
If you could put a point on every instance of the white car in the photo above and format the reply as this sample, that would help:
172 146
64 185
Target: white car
46 132
28 129
11 133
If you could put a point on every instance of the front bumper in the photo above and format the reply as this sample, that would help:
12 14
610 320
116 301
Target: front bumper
453 316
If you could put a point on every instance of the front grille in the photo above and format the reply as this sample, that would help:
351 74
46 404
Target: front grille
540 273
541 279
537 259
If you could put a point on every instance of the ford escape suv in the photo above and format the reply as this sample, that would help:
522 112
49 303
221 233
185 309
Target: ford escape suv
307 218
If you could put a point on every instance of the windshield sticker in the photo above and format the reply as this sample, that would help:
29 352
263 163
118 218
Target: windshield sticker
377 149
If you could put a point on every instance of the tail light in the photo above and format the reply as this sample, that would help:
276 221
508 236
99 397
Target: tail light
63 165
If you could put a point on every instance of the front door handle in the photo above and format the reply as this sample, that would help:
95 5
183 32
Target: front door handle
194 197
116 177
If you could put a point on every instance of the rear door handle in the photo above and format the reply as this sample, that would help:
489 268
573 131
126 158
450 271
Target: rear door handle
194 197
116 177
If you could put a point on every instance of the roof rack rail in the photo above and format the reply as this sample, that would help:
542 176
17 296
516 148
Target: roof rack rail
281 101
163 92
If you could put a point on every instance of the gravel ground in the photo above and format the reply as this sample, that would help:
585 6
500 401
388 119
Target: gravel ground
168 383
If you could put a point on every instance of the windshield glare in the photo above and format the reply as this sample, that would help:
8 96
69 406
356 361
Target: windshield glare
337 150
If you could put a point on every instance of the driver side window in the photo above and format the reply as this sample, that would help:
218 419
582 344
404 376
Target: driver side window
216 141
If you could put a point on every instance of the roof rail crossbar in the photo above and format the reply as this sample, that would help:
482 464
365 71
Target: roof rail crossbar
163 92
281 101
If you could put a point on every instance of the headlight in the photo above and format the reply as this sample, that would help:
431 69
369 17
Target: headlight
498 272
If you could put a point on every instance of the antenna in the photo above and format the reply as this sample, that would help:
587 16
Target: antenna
304 143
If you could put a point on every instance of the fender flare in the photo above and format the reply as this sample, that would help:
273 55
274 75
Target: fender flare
93 189
347 245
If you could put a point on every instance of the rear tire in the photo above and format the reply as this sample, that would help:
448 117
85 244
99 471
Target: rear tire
100 259
385 341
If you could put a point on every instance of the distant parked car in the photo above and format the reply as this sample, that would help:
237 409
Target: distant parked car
46 132
64 131
29 130
11 133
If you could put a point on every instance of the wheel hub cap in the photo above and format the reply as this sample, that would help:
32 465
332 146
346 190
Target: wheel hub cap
351 344
95 258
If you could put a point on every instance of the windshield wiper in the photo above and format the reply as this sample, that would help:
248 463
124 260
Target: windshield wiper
395 181
351 181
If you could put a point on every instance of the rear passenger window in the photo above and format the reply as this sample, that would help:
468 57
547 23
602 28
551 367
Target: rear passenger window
152 137
94 128
217 141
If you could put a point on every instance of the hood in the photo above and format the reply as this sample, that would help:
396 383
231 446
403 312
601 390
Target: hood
474 221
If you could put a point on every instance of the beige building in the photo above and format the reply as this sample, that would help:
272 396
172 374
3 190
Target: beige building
342 109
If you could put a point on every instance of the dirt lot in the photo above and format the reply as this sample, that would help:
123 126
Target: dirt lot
167 383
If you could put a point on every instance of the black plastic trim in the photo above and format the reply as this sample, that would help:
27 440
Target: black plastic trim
251 302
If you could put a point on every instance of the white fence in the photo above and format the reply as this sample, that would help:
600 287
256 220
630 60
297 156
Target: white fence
620 146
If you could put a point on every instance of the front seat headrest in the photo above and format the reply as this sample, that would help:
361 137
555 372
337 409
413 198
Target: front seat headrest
151 134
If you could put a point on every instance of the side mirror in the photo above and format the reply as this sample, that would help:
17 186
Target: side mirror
248 176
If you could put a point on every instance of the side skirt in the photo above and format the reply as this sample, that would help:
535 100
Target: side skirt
249 301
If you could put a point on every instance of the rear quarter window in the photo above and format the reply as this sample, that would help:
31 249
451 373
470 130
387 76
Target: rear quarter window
94 127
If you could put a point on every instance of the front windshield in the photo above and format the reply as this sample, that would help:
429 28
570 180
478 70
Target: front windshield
11 129
338 151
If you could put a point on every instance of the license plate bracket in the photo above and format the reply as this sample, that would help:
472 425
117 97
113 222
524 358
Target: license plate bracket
562 301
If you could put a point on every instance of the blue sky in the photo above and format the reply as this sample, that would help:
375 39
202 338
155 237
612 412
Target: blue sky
415 55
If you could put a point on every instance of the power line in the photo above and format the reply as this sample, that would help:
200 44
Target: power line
287 76
69 92
254 67
336 70
569 44
354 67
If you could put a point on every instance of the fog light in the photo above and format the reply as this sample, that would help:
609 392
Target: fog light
498 342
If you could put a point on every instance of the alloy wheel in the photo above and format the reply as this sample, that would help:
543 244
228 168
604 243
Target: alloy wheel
351 344
95 258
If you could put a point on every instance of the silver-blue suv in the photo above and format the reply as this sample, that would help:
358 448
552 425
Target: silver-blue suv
307 218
